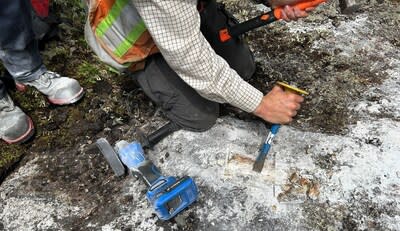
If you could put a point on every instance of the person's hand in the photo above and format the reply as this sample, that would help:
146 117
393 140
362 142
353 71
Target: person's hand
289 11
279 106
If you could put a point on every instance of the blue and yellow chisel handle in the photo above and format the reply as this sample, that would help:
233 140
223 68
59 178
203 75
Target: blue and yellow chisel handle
259 163
267 144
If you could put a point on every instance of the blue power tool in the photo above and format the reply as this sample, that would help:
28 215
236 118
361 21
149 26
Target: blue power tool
168 195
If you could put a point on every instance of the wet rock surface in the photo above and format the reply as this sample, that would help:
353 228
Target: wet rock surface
335 167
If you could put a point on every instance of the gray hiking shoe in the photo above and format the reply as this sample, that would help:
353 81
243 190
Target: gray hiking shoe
15 125
59 90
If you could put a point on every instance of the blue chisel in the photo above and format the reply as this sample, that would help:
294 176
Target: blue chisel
260 160
259 163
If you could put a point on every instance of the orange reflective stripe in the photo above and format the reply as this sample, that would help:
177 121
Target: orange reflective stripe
120 32
102 8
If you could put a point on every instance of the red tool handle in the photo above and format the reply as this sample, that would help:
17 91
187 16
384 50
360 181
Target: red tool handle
301 6
227 33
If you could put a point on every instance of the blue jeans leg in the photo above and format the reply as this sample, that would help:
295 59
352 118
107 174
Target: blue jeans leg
18 48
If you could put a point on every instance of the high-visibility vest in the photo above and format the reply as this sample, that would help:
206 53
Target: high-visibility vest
117 34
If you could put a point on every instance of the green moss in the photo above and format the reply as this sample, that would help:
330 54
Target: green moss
88 72
75 114
9 154
54 51
30 100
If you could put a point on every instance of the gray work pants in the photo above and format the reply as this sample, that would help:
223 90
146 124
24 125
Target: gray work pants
18 49
180 102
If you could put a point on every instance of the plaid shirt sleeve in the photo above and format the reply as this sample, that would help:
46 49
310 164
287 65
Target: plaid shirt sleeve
175 28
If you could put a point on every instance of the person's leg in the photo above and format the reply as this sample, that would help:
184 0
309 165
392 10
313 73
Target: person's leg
21 57
180 103
24 65
236 52
15 125
19 51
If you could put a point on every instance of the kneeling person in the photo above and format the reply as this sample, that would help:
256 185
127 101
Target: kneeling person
173 51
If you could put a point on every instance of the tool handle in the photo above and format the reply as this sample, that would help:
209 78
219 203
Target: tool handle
149 172
227 33
241 28
259 163
267 144
158 135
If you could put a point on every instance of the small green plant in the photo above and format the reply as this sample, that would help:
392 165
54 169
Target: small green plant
88 72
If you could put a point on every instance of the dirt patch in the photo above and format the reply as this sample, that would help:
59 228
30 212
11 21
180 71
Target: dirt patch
360 214
299 188
333 79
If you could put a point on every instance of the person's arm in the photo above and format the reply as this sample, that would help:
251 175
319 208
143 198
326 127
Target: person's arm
175 28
